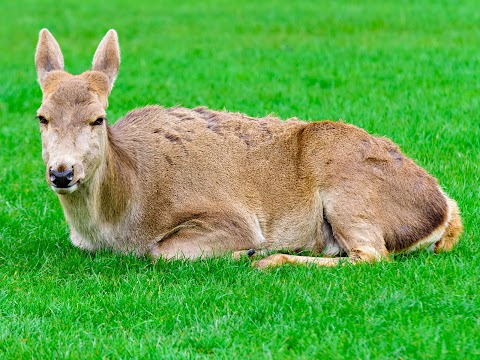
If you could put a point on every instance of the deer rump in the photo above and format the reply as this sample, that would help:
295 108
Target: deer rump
189 183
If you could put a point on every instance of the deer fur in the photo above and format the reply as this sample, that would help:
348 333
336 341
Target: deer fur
190 183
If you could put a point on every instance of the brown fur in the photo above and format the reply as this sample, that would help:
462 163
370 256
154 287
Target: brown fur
193 183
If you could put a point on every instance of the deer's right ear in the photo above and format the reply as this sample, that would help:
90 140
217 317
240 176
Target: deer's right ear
48 56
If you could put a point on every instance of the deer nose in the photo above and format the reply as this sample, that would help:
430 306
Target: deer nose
61 179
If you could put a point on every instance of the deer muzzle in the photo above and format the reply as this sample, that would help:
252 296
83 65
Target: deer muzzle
61 179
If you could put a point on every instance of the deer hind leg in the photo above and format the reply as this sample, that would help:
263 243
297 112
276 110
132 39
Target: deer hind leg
282 259
353 234
358 252
250 253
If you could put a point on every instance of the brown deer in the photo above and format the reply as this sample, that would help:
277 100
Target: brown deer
190 183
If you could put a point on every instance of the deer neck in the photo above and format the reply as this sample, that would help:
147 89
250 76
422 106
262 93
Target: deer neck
105 198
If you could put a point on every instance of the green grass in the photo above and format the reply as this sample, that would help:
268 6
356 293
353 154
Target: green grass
409 71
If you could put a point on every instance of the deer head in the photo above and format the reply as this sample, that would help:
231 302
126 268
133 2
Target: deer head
73 112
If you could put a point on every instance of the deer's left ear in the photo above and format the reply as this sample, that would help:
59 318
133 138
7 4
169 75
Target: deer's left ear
107 57
48 56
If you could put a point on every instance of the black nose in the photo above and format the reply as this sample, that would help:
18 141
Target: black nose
61 179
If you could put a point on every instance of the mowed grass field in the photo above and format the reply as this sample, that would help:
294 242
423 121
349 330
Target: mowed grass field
409 71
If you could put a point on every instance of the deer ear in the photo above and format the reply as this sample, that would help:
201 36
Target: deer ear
48 56
107 57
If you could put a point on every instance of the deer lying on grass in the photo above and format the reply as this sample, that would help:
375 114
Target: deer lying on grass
182 183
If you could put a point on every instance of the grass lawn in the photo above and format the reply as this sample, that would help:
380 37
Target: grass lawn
407 70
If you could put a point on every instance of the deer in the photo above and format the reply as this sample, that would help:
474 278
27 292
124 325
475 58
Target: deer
179 183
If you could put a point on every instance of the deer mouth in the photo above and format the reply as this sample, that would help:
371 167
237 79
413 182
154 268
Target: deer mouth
65 190
64 180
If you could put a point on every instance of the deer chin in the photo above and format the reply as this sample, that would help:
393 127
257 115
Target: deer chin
64 191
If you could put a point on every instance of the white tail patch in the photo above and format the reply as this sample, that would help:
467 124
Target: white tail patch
436 235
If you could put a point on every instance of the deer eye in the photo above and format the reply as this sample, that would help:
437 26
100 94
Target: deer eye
42 119
99 121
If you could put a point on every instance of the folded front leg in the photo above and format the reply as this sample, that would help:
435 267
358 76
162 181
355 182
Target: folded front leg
207 235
